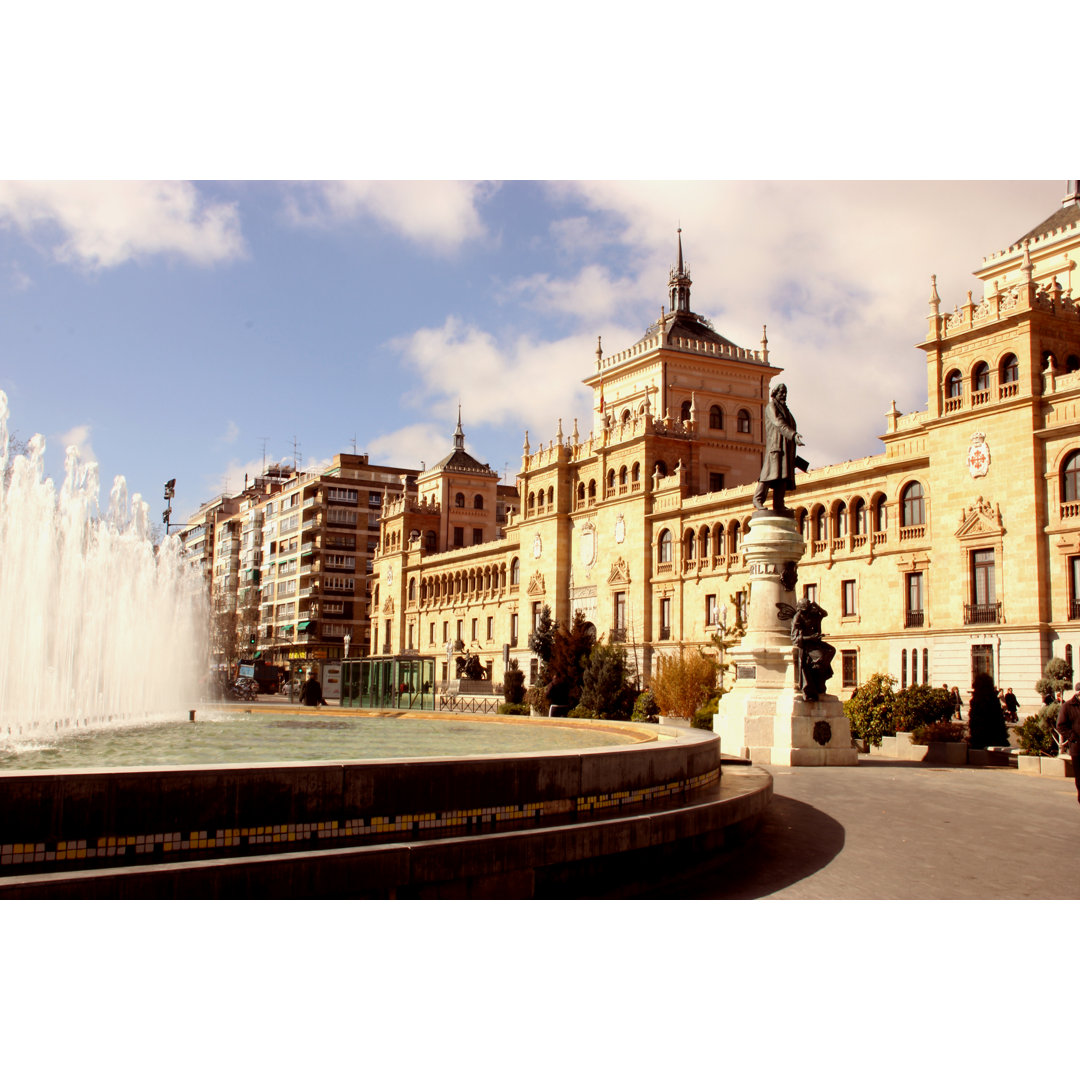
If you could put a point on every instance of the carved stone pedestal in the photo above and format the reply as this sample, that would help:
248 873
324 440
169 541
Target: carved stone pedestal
763 717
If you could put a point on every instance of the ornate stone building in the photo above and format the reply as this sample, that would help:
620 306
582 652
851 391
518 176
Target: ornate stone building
955 550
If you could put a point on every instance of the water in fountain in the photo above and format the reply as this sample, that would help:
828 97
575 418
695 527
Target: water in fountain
99 629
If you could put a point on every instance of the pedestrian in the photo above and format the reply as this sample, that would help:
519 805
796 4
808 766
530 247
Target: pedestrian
311 691
1012 706
958 703
1068 725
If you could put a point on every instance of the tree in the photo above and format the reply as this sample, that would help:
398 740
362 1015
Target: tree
542 639
223 636
514 684
1057 678
920 704
986 722
565 669
684 682
607 689
870 709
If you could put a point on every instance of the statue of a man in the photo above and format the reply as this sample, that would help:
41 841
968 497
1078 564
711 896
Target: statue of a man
781 438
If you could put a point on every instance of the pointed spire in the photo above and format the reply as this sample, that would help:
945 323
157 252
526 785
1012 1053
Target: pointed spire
525 448
459 434
599 352
559 435
679 283
1025 265
764 343
935 300
577 438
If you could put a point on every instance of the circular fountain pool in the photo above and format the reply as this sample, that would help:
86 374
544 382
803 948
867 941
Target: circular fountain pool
224 738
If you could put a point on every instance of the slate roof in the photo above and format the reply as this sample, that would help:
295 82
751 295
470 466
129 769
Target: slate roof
1067 215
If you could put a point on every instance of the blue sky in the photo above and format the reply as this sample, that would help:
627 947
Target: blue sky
172 329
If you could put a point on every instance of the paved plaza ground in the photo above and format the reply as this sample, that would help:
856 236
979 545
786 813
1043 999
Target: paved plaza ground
903 831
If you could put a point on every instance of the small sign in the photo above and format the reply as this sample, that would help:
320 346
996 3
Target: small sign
247 671
746 671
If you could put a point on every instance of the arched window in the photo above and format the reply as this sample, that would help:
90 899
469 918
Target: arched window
459 499
719 536
1010 369
592 489
716 418
819 523
661 468
840 521
478 502
581 493
412 589
430 540
980 376
626 416
540 499
704 545
903 669
515 572
551 497
622 477
1070 478
611 478
532 501
954 384
733 535
743 422
1072 363
858 517
664 547
684 412
879 513
635 473
912 509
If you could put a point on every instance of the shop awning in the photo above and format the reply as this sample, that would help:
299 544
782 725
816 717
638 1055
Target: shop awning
304 625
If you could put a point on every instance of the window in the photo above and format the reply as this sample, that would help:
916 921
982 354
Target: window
472 636
982 661
410 637
460 630
429 540
412 590
926 667
664 547
478 502
954 384
540 499
445 632
847 597
810 593
684 412
819 523
913 604
912 510
980 377
1070 478
744 422
711 614
858 517
665 618
459 536
716 481
592 490
741 598
580 493
514 629
704 544
716 418
490 628
619 611
982 576
914 667
1074 587
536 615
478 536
635 473
1010 370
903 669
849 664
459 499
880 514
386 637
840 520
431 633
515 572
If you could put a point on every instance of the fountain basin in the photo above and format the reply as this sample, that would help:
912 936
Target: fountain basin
507 825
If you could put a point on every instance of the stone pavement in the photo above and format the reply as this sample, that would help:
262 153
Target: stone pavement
899 830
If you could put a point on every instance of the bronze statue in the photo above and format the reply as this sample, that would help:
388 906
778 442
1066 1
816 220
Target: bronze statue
815 655
781 461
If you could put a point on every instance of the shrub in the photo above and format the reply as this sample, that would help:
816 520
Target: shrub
703 718
509 708
607 688
920 705
536 698
939 731
565 670
986 721
580 712
1036 734
514 684
1057 678
645 708
870 709
684 682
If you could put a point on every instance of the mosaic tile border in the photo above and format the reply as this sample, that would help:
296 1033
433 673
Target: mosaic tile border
248 839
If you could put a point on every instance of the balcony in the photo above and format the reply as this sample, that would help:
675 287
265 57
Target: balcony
617 634
913 619
665 633
1074 610
982 614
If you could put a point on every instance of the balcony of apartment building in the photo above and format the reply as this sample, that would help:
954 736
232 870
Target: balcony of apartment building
1074 610
914 619
982 614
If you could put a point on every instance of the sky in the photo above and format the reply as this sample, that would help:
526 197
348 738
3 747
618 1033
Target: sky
196 330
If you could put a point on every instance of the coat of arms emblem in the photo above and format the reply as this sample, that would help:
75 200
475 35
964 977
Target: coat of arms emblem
978 457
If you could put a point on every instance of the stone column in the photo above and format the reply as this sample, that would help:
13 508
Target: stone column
764 717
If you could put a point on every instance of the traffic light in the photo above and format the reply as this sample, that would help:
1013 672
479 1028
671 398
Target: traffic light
252 639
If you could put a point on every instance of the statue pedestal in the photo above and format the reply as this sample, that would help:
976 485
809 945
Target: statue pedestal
764 717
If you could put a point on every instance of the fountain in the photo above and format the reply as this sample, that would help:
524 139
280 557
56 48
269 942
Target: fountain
101 630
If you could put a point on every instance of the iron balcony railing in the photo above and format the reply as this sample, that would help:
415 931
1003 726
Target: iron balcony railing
982 614
913 618
618 633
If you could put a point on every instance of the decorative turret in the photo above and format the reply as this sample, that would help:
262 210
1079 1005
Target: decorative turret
459 434
679 284
764 344
599 352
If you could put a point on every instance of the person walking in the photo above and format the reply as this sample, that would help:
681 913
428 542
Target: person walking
311 691
1012 706
1068 725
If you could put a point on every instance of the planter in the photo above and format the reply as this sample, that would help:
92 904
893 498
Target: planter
1037 765
675 721
947 753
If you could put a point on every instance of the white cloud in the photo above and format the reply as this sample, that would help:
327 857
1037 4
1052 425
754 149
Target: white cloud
407 447
442 213
590 296
79 438
232 433
104 224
